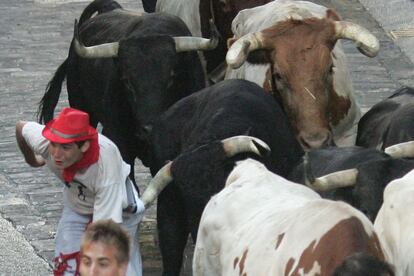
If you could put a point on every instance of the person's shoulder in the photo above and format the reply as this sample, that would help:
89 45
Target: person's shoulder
110 159
32 125
106 145
32 128
102 139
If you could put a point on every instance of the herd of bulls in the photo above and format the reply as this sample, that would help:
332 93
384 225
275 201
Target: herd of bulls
226 155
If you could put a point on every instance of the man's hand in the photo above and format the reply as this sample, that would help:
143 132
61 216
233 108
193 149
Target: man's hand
31 158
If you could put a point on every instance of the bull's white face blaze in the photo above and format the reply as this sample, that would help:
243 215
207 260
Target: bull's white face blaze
302 67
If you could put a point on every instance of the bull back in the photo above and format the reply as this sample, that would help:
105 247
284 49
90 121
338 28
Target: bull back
263 224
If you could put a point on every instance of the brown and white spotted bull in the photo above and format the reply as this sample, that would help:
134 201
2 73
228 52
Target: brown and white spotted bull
293 50
197 13
263 224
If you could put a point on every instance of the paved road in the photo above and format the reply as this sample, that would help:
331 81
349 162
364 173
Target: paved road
34 39
396 18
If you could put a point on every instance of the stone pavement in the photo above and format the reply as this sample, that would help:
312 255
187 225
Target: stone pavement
17 256
34 40
396 18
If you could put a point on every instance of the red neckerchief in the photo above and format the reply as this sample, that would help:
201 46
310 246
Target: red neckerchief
90 157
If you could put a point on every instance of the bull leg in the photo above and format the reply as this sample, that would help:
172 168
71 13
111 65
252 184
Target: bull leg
172 231
117 126
131 161
129 153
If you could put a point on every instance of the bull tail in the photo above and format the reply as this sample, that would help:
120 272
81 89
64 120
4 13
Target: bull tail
99 6
50 99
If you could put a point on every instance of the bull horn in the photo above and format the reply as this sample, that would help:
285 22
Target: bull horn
366 42
240 49
339 179
157 184
107 50
402 150
188 43
242 143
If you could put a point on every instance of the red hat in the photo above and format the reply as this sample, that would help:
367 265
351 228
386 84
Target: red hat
71 125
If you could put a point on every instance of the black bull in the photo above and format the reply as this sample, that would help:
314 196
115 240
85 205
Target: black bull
388 122
372 169
194 127
126 93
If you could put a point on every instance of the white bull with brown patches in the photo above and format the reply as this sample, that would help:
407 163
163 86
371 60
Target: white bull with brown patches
292 49
394 224
263 224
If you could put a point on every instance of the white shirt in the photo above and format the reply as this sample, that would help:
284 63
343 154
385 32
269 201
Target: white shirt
97 190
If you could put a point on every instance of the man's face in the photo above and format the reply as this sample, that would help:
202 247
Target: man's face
99 259
65 155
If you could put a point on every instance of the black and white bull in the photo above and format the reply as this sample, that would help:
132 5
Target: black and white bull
190 134
361 174
388 122
197 14
134 68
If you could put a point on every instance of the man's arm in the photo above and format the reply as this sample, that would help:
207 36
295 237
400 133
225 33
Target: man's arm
31 158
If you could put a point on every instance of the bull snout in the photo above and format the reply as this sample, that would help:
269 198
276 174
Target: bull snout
317 140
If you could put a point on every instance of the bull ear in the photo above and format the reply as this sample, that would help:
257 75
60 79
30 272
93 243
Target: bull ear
331 14
402 150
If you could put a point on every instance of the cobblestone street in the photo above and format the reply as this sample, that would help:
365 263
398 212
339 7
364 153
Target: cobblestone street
34 40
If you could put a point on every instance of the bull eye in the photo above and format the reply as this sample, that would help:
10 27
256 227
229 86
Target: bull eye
331 69
276 76
222 4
